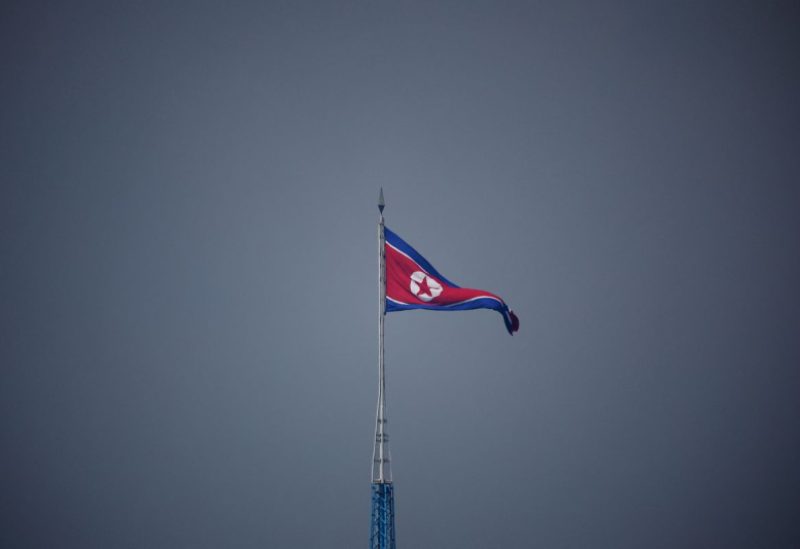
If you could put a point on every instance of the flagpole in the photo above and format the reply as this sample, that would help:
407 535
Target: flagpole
379 473
381 530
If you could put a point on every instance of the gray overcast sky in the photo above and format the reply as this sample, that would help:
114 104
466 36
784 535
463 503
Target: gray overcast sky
188 273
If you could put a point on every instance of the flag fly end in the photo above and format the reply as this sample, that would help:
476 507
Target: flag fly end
514 322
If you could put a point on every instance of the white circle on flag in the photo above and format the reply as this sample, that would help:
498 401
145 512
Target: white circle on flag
424 287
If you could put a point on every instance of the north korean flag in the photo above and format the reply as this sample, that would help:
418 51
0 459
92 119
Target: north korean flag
413 283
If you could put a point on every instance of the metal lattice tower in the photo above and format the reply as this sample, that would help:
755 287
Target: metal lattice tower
382 533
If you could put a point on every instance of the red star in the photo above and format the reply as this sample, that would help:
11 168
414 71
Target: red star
423 287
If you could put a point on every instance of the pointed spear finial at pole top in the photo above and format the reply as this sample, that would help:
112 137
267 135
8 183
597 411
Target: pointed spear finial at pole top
381 203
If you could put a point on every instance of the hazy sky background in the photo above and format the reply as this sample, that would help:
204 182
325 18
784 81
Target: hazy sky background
188 271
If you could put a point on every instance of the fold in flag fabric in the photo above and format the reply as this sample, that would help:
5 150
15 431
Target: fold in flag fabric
413 283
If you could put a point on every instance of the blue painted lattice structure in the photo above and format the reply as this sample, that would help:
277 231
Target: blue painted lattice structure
381 535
